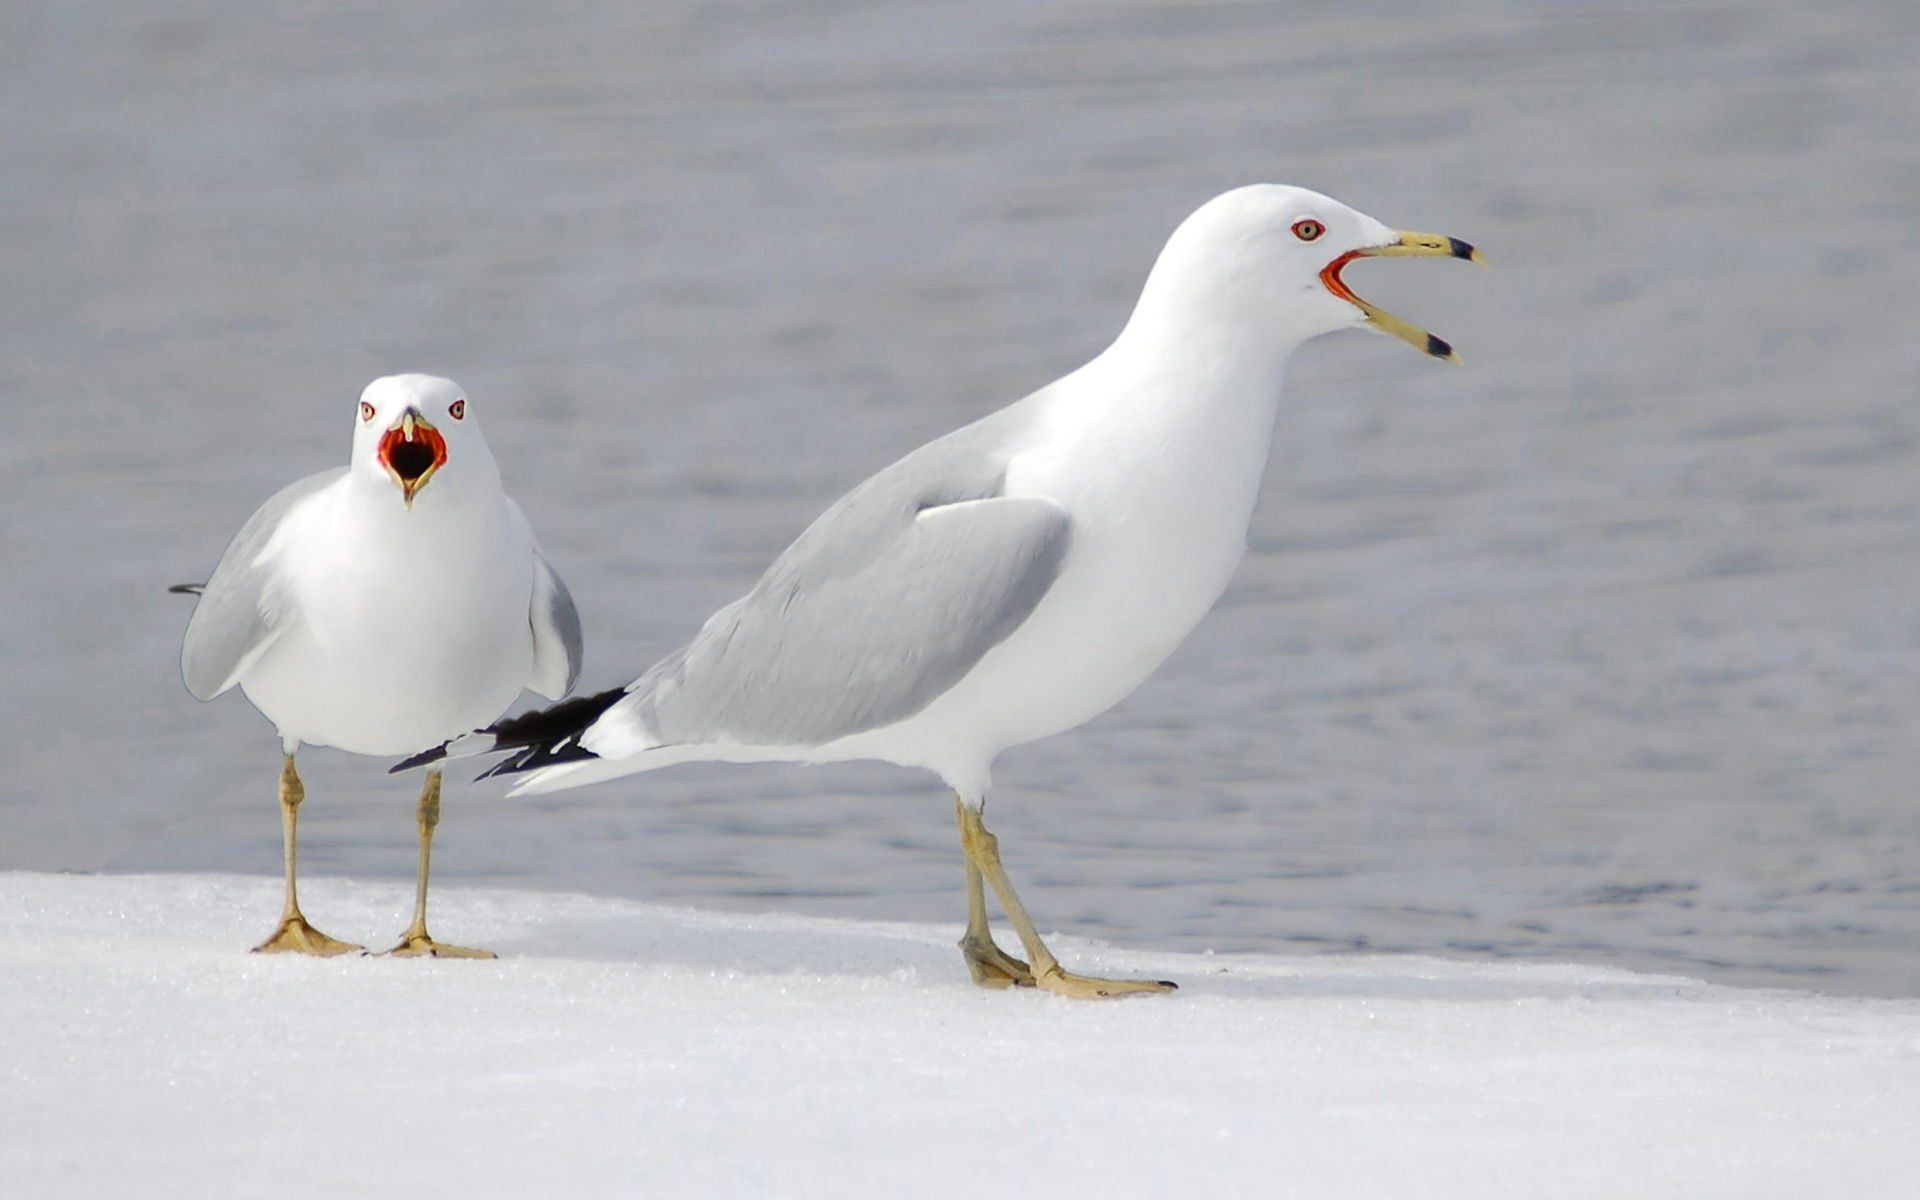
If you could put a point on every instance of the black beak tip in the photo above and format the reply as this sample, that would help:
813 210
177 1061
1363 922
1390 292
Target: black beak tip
1460 249
1438 347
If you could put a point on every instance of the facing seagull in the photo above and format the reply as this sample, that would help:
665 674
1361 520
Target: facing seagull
1019 576
383 607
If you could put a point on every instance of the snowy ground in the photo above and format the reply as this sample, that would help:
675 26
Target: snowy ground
618 1048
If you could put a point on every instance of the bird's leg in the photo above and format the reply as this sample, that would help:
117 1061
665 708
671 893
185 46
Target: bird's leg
293 934
991 966
415 940
983 854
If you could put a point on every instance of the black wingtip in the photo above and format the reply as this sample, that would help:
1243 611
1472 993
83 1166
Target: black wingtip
513 764
532 758
419 760
187 589
547 752
541 737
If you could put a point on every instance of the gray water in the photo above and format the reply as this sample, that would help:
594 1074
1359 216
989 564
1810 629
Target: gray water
1605 646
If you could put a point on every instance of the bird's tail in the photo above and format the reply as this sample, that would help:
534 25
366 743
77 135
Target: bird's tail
538 737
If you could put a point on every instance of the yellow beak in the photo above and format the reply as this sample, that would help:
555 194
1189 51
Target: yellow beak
1409 245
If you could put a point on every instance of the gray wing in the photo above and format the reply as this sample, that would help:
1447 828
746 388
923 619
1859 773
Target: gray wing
883 604
243 606
557 642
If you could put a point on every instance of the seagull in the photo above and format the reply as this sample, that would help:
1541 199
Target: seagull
383 607
1019 576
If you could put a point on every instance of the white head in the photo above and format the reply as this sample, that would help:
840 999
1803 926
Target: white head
411 430
1264 261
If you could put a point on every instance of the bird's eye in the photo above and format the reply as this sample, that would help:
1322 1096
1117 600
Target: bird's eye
457 409
366 411
1308 230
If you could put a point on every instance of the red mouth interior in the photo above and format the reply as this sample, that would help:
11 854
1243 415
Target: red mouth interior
413 460
1330 275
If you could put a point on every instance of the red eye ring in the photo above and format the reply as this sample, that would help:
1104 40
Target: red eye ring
1308 230
457 410
366 411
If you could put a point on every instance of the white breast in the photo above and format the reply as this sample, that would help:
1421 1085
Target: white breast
412 627
1161 488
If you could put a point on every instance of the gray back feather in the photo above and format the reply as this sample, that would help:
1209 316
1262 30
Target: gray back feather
558 646
243 605
884 603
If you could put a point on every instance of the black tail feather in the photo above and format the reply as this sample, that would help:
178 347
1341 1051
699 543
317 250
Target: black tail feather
187 589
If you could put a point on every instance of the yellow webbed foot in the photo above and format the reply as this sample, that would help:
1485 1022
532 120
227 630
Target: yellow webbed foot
1086 987
417 944
993 967
295 936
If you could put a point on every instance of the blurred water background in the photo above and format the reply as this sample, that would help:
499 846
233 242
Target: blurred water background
1605 646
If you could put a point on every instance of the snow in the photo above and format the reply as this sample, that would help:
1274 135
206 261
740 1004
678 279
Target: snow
620 1048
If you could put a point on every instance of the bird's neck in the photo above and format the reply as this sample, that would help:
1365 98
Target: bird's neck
471 496
1211 334
1179 412
1200 366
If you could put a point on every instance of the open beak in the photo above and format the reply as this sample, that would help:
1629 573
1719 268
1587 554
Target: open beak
412 450
1423 245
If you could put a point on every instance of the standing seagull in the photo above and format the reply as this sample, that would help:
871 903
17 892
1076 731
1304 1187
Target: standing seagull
1021 575
383 607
